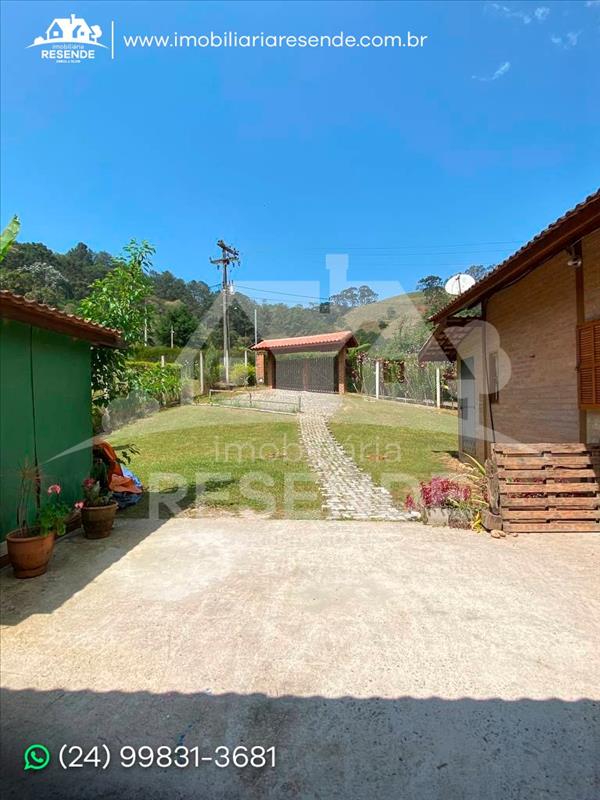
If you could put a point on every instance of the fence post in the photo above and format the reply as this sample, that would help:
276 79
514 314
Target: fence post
438 387
377 369
162 361
201 365
246 359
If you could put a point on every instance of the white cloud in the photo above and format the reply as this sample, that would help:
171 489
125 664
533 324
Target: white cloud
509 13
502 70
592 3
540 13
567 41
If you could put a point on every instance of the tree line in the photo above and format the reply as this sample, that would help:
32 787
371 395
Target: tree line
173 308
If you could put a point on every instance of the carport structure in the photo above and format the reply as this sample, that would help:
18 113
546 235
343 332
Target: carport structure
305 363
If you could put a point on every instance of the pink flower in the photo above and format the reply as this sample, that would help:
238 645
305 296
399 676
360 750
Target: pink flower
88 483
409 503
79 504
54 489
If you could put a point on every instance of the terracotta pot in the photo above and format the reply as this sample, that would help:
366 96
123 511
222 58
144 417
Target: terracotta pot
29 554
97 521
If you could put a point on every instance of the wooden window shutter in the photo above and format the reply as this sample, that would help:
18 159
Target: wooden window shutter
588 352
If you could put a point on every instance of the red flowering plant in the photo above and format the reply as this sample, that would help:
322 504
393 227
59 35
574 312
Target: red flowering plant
52 517
445 493
94 495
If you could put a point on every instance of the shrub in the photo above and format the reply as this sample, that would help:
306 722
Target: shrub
243 375
158 382
141 352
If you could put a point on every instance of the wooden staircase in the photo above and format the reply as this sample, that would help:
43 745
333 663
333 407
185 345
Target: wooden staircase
544 487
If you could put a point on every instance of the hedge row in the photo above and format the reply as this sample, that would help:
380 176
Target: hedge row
161 383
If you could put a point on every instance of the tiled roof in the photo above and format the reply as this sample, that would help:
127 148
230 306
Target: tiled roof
579 221
336 338
14 306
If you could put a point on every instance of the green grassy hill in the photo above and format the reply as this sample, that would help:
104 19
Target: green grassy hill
391 311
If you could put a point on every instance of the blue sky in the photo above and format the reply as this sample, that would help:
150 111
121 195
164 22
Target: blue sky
411 161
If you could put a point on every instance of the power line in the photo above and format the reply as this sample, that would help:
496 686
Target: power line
421 248
285 294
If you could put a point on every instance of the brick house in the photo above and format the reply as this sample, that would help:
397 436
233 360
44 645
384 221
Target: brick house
528 357
305 363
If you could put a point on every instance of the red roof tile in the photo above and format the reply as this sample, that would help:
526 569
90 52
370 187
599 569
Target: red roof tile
14 306
308 342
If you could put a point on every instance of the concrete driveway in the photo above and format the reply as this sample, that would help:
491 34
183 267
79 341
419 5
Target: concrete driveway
381 660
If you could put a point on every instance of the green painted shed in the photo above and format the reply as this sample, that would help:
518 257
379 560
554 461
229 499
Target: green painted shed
45 398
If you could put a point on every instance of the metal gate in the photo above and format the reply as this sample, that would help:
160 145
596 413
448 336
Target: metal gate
316 374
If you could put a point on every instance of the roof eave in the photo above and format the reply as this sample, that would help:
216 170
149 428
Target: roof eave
580 222
59 322
270 344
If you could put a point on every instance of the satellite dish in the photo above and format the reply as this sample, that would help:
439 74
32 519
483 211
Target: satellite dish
459 283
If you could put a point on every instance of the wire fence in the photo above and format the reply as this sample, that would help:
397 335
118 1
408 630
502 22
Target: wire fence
254 400
406 382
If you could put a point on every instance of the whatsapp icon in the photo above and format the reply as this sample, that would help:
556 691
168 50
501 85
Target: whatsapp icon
36 756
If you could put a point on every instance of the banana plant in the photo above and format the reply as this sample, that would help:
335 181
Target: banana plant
8 235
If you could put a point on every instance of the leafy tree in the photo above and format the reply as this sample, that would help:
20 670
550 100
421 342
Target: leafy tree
353 296
201 294
118 301
366 295
81 266
367 338
22 254
196 295
434 293
347 298
477 271
39 281
410 335
183 324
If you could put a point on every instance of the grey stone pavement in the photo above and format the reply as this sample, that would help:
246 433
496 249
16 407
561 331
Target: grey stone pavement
348 491
383 661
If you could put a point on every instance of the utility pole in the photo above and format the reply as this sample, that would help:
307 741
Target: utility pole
172 337
229 256
255 326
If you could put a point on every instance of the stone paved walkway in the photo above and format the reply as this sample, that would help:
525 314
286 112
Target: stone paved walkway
349 492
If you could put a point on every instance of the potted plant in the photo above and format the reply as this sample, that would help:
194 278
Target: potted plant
98 509
30 547
442 502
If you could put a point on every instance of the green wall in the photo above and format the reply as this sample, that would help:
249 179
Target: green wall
44 411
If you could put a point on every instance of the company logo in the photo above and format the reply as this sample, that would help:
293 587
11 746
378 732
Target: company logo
69 40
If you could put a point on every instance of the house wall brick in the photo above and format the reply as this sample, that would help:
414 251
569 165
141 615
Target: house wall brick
341 368
260 367
536 320
591 275
591 308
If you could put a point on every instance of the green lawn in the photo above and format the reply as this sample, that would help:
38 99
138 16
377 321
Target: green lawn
246 460
398 445
241 460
